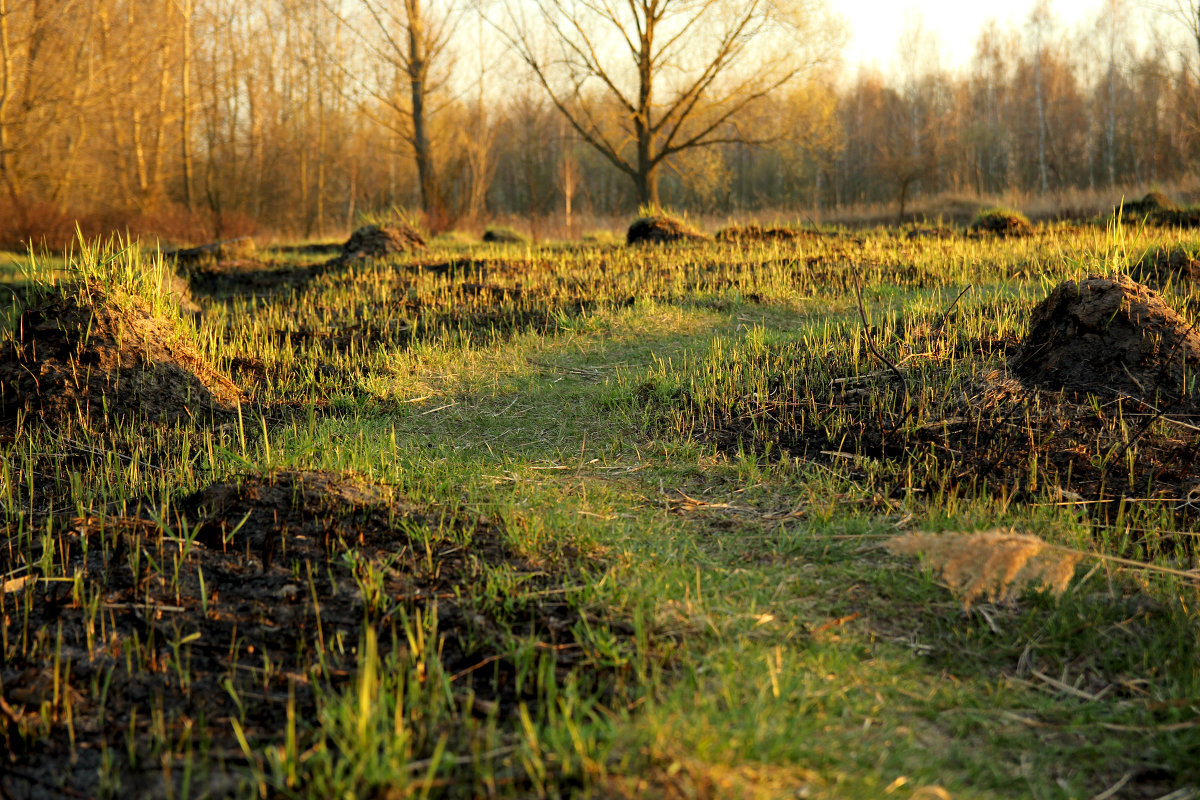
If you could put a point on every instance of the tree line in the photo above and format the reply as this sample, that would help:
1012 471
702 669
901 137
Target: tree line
201 118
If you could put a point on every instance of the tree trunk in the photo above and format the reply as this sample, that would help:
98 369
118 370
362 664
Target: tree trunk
418 72
7 66
185 98
646 184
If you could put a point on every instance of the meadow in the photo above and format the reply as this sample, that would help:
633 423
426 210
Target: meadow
589 519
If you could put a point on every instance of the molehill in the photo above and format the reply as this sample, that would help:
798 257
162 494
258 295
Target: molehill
1105 335
87 353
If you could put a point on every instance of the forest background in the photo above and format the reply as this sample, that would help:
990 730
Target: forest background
201 119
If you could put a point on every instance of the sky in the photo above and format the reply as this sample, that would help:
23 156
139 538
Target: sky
875 25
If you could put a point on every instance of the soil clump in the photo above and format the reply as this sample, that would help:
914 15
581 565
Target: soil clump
1001 222
1108 334
90 354
504 236
381 241
661 230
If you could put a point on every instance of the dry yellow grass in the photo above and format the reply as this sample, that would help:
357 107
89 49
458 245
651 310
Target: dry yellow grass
997 564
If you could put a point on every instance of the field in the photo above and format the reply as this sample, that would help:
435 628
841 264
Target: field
593 520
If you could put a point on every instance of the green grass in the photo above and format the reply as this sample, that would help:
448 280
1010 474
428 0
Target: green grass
733 623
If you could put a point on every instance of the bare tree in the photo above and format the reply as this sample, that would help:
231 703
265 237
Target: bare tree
414 43
643 80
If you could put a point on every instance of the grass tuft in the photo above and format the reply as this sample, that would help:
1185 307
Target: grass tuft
998 564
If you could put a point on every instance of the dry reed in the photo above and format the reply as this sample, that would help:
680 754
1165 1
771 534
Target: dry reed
997 564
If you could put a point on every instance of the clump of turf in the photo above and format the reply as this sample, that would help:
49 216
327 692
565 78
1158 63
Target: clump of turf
503 234
380 241
660 228
1001 221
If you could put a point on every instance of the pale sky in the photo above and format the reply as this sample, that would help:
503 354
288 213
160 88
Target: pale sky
875 25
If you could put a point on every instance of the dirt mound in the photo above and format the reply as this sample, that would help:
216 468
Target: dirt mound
380 241
91 355
1151 203
660 230
504 236
757 233
1109 334
1001 222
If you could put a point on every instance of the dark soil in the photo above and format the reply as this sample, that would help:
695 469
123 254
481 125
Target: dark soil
1087 412
279 573
1005 440
317 249
87 355
225 250
253 278
757 233
1108 335
381 241
661 230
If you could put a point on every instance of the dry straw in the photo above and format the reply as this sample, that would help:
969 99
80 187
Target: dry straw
997 564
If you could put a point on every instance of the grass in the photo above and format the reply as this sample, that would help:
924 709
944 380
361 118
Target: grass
595 521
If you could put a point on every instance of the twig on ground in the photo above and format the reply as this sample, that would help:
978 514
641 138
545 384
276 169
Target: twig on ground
862 314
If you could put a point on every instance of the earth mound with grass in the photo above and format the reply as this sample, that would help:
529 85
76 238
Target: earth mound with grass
756 233
380 241
1001 222
504 235
1151 203
661 229
88 354
1107 334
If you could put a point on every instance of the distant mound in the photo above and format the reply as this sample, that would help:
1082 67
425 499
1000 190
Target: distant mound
504 235
661 229
1001 222
380 241
91 356
1150 204
1107 335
